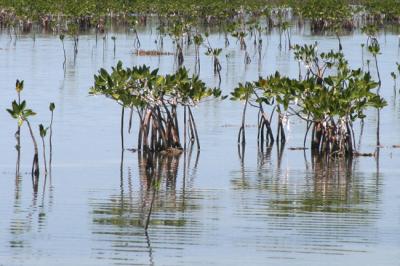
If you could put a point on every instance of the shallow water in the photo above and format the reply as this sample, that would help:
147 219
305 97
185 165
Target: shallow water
280 208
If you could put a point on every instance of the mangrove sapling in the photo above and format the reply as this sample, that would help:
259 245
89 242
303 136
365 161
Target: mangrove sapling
253 95
286 31
156 99
362 55
191 91
241 38
62 36
19 86
333 103
113 38
280 28
306 54
21 113
136 40
394 77
338 38
243 93
52 106
104 45
74 32
374 49
255 31
215 53
329 104
176 32
371 31
198 41
115 86
398 74
43 133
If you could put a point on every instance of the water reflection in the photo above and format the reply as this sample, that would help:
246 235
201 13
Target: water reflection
327 207
29 217
126 224
274 207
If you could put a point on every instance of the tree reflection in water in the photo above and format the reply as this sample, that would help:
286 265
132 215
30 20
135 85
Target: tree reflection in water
323 207
30 214
126 220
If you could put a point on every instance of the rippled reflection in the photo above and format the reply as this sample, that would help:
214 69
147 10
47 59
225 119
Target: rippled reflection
29 217
279 207
327 207
164 201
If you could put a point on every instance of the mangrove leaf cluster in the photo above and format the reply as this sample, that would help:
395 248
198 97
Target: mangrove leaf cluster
330 98
156 99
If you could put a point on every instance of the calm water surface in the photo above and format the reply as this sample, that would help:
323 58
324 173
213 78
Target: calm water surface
274 207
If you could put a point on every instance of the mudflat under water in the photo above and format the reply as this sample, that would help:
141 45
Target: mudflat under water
274 207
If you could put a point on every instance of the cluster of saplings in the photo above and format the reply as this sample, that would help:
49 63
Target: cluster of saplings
95 13
188 23
156 99
329 97
22 114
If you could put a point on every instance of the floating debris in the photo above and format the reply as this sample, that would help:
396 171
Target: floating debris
151 53
297 148
364 154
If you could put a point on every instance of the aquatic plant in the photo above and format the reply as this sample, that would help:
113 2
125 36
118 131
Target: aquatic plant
214 53
100 15
136 40
176 32
74 32
113 38
394 77
329 104
43 133
326 14
52 106
62 37
374 49
198 41
156 99
19 86
20 112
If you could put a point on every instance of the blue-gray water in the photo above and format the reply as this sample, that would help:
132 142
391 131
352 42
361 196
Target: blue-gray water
267 209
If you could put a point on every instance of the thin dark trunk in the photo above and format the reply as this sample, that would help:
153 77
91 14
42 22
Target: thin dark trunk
50 141
151 208
35 163
194 127
378 141
184 128
130 120
65 56
18 137
44 157
242 132
122 126
377 71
